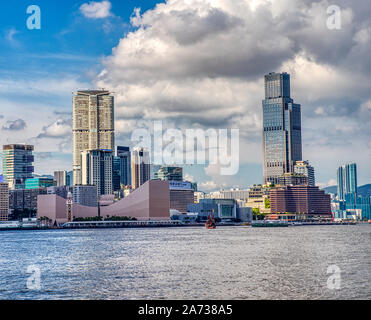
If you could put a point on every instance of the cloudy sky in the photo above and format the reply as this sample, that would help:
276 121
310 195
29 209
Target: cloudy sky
191 64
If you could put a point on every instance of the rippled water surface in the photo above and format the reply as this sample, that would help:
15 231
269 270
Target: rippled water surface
188 263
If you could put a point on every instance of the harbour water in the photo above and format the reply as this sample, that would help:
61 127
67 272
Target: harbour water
188 263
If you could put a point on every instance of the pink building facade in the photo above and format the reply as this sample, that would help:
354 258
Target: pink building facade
151 201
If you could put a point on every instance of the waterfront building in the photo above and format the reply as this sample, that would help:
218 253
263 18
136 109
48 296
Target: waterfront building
223 209
282 142
244 214
37 183
93 125
347 180
17 164
97 169
121 168
140 167
354 202
85 195
234 193
60 178
148 202
181 194
169 174
293 179
304 168
61 191
4 201
22 200
300 199
259 198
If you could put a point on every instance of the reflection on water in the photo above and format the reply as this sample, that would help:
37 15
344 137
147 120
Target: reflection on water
188 263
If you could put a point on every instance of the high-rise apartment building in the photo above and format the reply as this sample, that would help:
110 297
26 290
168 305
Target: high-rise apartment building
140 167
60 178
85 195
282 145
347 180
4 201
96 169
304 168
121 168
93 125
169 173
17 164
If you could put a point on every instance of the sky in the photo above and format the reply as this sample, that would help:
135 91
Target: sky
191 64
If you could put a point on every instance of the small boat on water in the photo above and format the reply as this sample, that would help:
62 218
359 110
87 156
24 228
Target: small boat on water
210 223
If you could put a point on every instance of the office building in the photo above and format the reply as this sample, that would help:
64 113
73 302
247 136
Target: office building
301 199
121 168
282 145
85 195
4 201
17 164
61 191
223 209
24 200
293 179
140 167
97 169
169 174
259 198
181 195
304 168
93 125
70 178
60 178
347 180
40 182
355 202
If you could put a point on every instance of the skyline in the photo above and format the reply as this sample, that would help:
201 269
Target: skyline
37 103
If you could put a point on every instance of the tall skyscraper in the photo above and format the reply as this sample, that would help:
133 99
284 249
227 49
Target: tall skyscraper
304 168
17 164
93 125
121 167
96 169
347 180
60 178
282 144
140 167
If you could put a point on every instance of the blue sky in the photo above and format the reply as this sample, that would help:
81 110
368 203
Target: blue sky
191 64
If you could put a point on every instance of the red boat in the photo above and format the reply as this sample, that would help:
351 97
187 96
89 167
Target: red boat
210 223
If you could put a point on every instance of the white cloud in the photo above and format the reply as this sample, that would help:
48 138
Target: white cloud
16 125
58 129
96 10
207 186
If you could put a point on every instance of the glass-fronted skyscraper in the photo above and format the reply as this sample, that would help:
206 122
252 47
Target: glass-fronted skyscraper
282 145
347 180
121 168
17 164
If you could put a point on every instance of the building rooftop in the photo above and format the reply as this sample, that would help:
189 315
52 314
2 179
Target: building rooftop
92 92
